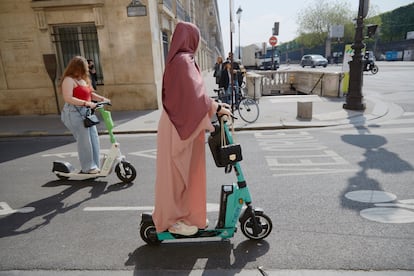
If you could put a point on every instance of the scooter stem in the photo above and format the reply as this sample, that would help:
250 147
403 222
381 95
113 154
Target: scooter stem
106 115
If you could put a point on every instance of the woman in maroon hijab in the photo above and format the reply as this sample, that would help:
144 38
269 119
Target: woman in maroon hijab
180 189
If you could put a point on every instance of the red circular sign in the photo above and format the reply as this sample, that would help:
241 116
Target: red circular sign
273 40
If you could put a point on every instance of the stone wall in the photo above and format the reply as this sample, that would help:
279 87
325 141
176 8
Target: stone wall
129 47
131 52
306 82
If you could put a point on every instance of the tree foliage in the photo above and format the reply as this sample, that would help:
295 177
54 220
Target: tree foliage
396 23
315 21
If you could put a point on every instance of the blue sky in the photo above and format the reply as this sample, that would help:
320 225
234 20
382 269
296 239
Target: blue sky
258 17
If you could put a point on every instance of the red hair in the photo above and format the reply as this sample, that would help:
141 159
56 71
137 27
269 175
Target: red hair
77 69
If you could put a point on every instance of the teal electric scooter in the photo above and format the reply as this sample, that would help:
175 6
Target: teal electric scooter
254 223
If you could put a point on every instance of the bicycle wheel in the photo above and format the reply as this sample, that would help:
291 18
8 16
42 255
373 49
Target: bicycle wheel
248 110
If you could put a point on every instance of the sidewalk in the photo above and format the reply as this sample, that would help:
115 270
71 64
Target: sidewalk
276 112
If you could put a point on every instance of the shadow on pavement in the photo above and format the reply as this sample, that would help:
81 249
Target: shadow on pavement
25 146
47 208
376 157
186 256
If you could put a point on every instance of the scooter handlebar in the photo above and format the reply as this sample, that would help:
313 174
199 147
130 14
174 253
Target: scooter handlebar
101 104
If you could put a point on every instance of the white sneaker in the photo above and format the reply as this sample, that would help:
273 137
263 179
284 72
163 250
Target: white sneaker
94 171
183 229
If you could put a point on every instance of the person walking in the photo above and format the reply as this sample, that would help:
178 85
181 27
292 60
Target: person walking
180 188
78 96
92 73
225 82
218 68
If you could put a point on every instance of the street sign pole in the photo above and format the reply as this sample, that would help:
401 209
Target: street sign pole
354 96
273 42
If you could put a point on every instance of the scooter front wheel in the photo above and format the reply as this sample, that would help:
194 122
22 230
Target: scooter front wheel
149 234
264 226
125 172
374 69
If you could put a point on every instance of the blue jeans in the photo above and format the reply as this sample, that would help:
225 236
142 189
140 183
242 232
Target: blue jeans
87 138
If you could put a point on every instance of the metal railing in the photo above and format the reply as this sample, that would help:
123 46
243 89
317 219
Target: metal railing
80 40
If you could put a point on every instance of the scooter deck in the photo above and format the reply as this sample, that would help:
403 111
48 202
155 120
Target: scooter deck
224 233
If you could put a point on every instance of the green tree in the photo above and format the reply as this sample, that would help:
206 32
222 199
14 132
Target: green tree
396 23
316 19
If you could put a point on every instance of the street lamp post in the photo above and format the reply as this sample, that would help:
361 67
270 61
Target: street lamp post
354 96
239 12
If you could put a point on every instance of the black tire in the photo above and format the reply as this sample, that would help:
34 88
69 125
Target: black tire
374 69
149 234
128 174
248 110
263 220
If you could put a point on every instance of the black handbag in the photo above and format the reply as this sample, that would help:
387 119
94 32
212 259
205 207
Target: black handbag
90 119
224 154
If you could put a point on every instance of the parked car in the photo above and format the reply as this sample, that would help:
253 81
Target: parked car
313 61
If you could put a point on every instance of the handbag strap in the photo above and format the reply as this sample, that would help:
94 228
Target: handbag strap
77 109
222 133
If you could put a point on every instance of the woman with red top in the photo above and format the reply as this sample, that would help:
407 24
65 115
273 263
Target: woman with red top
78 95
180 189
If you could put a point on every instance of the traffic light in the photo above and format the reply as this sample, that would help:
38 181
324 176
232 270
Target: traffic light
371 30
276 28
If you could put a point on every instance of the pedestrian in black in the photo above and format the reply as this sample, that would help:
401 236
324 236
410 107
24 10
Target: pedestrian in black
92 73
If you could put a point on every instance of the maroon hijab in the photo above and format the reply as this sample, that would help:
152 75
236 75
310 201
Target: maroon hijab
183 93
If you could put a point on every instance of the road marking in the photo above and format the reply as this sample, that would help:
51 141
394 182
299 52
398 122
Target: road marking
294 98
211 207
5 209
399 204
119 208
299 153
388 215
70 154
312 171
370 196
398 121
377 131
401 211
327 157
152 153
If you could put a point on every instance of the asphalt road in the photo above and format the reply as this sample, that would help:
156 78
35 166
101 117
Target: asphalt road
340 198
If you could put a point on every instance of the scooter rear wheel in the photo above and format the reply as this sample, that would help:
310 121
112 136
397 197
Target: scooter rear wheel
128 174
264 223
149 234
374 69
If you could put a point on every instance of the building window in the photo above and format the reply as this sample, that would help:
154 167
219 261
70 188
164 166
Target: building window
165 45
77 40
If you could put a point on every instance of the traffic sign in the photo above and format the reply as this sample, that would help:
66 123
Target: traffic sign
273 40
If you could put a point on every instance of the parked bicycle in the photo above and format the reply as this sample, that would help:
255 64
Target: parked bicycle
246 106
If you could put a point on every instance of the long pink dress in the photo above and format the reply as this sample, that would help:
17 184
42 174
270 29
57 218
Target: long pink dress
180 189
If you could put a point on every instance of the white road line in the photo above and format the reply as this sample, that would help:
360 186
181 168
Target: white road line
211 207
377 131
303 171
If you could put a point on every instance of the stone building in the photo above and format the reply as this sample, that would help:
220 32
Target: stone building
127 39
